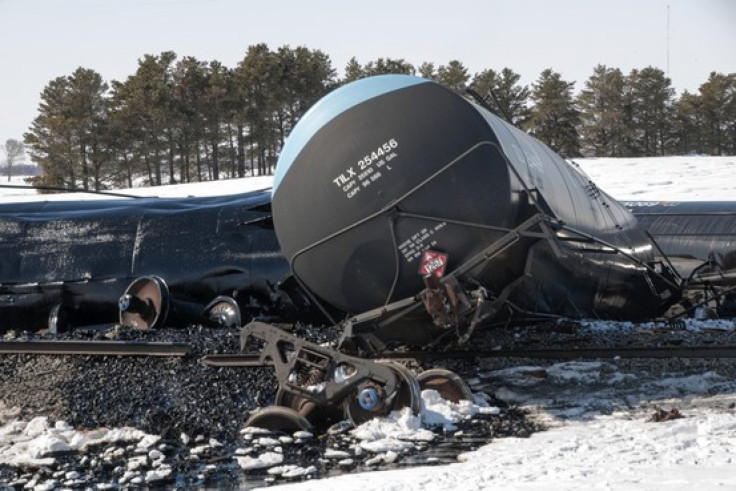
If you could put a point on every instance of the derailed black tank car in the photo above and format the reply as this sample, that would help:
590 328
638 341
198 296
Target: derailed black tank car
394 193
68 263
699 240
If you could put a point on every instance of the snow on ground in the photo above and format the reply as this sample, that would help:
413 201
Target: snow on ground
690 178
38 443
35 442
208 188
610 452
601 436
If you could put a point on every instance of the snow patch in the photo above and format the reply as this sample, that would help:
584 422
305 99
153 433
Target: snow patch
266 459
36 442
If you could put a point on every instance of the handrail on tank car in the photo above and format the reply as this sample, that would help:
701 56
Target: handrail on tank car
393 204
666 258
407 305
488 253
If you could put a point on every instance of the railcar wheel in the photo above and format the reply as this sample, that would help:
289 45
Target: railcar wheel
320 417
370 399
448 384
223 312
279 419
145 303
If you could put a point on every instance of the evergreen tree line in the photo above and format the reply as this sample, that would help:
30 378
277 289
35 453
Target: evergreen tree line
183 120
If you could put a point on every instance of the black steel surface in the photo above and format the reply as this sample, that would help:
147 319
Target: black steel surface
83 255
354 227
691 232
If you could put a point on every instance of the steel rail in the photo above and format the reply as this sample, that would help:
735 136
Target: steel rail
94 348
172 349
706 352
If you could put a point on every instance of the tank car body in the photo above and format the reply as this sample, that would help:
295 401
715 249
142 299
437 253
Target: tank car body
391 182
699 240
692 233
67 263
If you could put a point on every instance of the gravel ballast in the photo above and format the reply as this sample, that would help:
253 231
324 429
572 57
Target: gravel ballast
197 413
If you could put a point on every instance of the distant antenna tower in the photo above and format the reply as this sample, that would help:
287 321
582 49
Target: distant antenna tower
668 40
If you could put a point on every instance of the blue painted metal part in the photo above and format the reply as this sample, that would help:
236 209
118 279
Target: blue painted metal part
368 399
331 106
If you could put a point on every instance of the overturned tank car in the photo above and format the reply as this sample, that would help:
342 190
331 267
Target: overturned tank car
397 197
416 216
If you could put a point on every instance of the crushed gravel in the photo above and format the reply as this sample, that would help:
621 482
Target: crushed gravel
164 396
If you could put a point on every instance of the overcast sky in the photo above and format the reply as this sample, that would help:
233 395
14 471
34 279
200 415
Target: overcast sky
44 39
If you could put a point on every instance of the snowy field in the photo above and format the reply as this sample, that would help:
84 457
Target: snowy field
600 435
214 188
627 179
664 178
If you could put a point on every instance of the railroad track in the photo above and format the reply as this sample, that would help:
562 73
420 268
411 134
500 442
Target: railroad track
710 352
173 349
94 348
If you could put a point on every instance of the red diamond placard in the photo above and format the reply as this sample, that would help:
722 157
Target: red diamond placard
434 263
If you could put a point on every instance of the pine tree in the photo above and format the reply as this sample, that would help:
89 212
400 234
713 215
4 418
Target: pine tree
148 99
190 79
485 82
512 96
215 112
67 137
88 113
454 76
731 116
49 139
504 90
718 98
651 98
688 124
554 118
353 71
305 77
427 70
385 66
601 105
258 73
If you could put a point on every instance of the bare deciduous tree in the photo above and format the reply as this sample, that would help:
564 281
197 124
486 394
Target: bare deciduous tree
14 151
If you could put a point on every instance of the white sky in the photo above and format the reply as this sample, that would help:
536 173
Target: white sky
44 39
